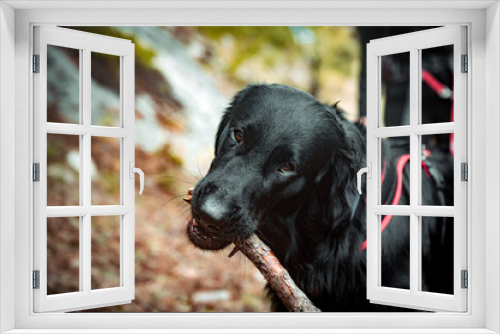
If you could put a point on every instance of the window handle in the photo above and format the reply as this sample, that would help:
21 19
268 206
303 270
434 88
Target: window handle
368 171
133 170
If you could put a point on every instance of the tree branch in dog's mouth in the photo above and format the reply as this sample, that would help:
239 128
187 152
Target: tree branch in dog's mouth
294 299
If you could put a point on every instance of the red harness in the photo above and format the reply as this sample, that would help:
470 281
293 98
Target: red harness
403 160
443 92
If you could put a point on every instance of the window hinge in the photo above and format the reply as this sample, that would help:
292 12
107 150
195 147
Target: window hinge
36 63
465 64
464 171
36 172
36 279
465 279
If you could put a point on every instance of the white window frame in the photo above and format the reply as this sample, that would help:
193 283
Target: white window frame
414 43
85 43
483 21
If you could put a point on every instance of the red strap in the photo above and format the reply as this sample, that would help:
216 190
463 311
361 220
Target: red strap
444 92
439 88
399 189
435 85
403 160
383 172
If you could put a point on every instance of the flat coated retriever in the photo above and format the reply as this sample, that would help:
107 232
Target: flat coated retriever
285 169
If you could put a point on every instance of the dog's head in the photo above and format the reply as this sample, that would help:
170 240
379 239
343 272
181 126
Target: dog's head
276 148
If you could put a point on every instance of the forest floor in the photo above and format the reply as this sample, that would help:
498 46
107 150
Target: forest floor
172 275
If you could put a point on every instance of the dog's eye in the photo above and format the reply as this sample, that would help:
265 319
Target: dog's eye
238 135
287 167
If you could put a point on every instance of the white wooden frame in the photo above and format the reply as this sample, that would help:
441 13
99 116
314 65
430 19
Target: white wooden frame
413 43
86 297
484 103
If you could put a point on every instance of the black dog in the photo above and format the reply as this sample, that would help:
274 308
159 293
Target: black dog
285 169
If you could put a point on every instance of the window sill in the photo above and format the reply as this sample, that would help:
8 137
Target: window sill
248 331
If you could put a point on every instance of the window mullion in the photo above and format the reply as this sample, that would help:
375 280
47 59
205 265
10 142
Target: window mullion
373 184
433 128
85 160
393 131
102 131
109 210
81 186
414 170
80 130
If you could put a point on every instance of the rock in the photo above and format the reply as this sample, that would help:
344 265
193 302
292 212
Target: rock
211 296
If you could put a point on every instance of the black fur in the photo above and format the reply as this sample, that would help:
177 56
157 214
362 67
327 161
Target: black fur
304 215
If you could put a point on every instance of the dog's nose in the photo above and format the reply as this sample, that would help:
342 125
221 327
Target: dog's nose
209 187
215 211
211 210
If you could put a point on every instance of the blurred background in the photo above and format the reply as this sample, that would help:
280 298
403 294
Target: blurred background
185 78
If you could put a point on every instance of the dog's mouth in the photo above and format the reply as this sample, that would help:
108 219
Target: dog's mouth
201 238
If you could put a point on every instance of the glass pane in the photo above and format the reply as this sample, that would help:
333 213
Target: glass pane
395 171
395 99
63 84
63 255
106 171
105 89
396 252
437 85
437 171
437 254
105 252
63 170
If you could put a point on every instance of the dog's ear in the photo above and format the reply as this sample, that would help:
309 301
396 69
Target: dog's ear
222 131
336 180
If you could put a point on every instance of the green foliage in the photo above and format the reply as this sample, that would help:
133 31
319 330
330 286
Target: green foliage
144 55
333 47
264 42
337 48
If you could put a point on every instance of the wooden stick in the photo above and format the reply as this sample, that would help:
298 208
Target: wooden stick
294 299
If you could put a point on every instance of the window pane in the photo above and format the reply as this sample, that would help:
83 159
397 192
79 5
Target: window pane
63 255
63 170
437 254
105 89
395 171
395 99
63 84
396 252
106 171
437 85
437 171
105 252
